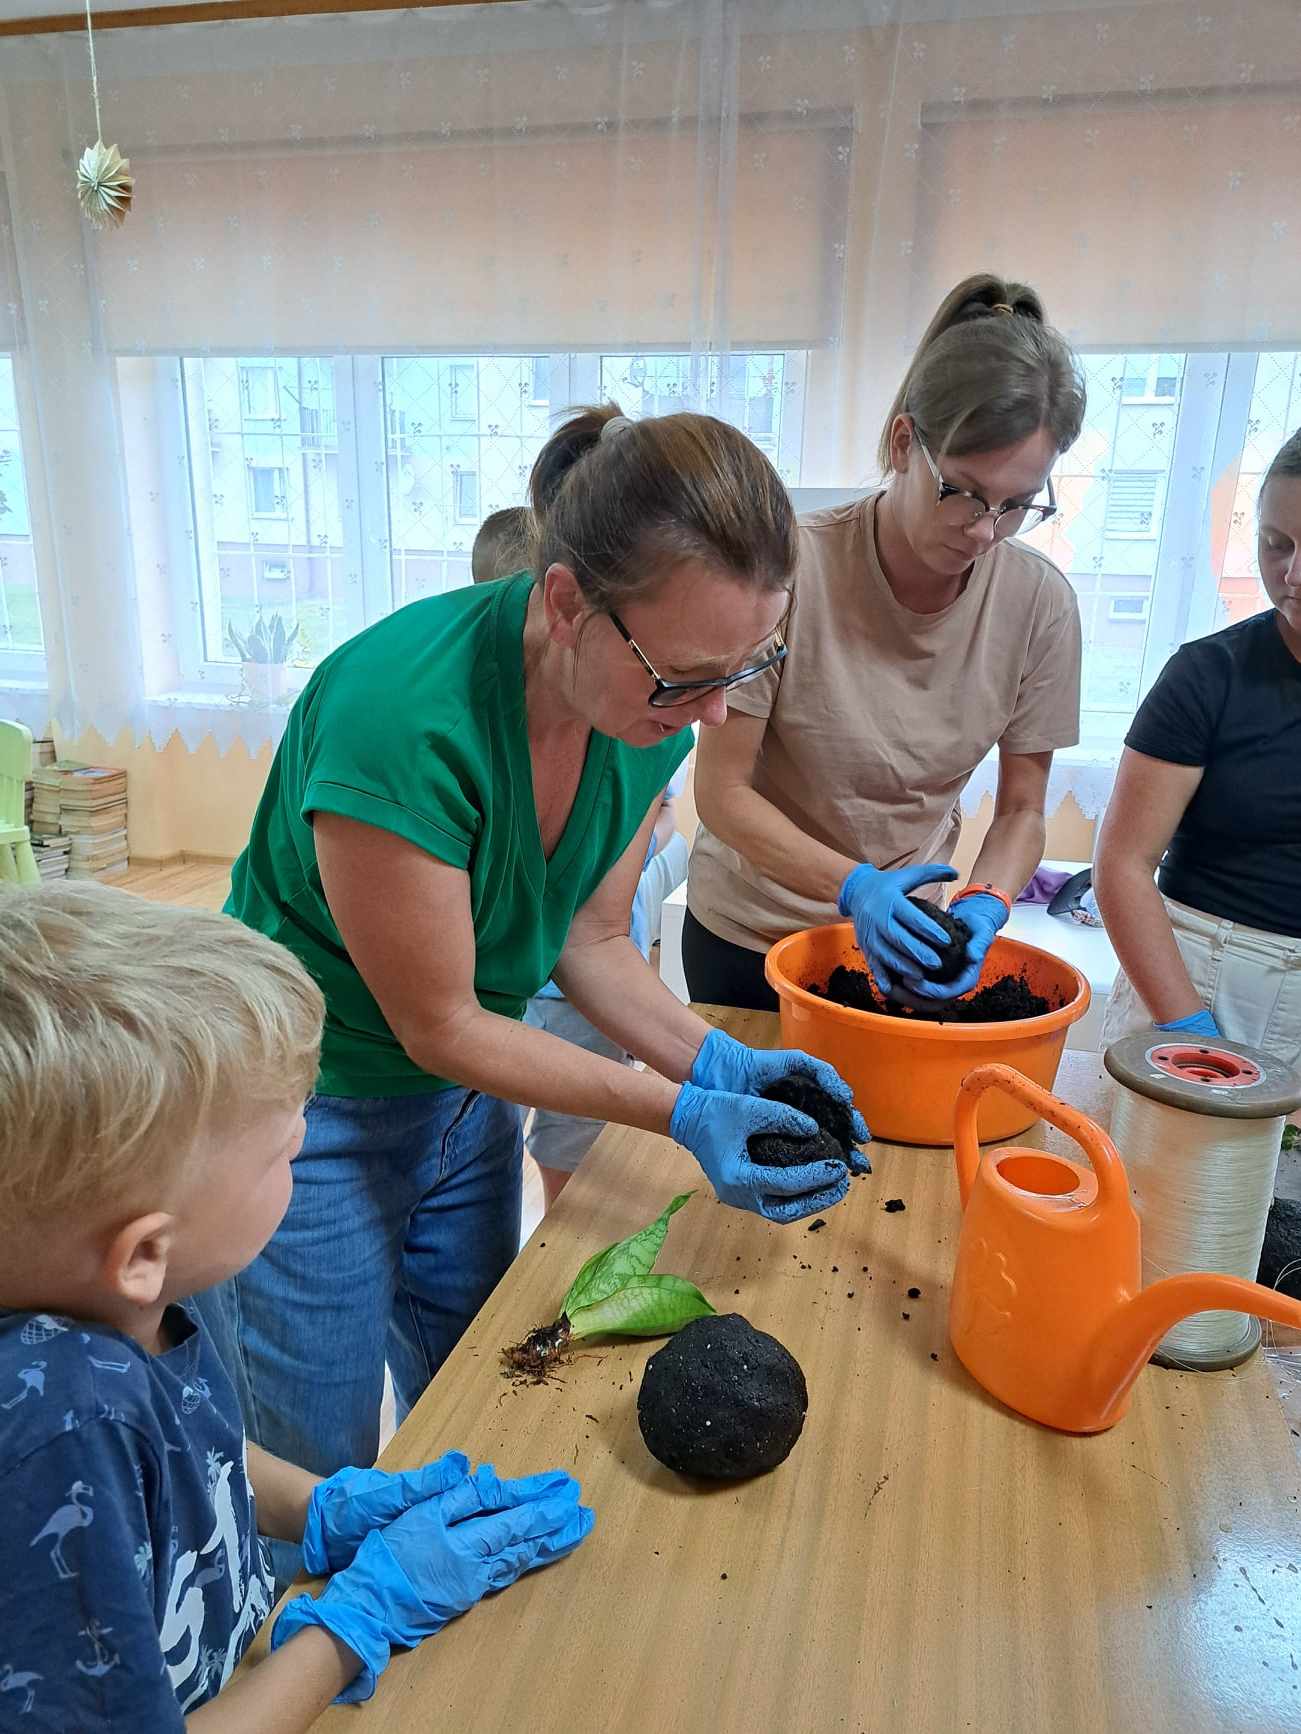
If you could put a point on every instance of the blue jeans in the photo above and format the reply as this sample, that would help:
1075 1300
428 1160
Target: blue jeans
404 1217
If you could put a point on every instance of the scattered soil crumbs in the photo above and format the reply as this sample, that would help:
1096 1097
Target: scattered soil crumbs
914 1294
815 1226
894 1204
1003 1001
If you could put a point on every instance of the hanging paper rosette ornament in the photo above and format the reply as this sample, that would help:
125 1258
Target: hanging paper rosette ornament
104 179
104 184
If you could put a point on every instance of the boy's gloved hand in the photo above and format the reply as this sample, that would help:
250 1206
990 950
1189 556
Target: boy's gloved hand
983 915
436 1560
715 1126
1198 1023
897 941
346 1507
726 1064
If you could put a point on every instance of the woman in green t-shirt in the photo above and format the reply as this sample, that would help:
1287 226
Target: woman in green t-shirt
459 809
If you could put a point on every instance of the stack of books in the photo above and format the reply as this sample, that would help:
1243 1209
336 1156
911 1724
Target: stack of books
86 805
52 856
43 753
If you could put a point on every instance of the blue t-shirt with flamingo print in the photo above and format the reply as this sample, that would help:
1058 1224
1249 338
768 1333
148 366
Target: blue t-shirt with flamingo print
131 1575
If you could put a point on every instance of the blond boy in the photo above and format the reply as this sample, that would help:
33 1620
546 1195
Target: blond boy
153 1067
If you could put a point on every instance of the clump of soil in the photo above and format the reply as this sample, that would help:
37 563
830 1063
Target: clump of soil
1280 1257
1002 1001
722 1400
953 956
834 1138
533 1360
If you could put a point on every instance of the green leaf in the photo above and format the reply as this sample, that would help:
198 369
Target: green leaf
648 1306
1291 1136
607 1271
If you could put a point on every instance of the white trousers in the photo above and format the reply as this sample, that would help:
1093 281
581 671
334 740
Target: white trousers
1250 979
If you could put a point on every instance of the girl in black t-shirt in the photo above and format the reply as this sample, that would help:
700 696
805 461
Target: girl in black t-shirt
1208 796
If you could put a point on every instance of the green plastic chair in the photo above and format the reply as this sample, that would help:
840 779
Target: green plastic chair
17 862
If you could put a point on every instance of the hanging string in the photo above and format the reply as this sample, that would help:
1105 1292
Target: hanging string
94 74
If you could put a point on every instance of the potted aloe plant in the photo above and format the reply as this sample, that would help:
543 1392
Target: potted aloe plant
264 651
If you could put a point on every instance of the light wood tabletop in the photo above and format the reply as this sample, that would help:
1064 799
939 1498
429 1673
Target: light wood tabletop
924 1560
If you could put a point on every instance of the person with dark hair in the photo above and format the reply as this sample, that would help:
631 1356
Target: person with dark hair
459 809
1208 798
923 634
503 546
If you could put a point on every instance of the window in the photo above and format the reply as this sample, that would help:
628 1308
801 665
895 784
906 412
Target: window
261 391
1132 608
1146 532
1132 503
21 641
463 387
366 491
465 492
1151 378
268 490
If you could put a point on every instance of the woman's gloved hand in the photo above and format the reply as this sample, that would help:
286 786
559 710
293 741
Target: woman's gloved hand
1199 1023
715 1126
352 1502
897 941
436 1560
983 913
726 1064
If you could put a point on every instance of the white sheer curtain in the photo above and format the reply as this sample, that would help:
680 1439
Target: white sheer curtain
372 256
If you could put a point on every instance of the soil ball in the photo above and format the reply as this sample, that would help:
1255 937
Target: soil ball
721 1400
953 956
1280 1257
835 1134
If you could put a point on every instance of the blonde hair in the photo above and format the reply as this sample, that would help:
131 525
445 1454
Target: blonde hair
127 1030
622 502
988 372
503 546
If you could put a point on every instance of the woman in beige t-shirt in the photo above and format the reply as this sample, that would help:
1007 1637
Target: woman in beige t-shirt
921 636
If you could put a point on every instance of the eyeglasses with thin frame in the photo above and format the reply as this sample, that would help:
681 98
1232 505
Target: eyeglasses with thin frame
666 694
1008 519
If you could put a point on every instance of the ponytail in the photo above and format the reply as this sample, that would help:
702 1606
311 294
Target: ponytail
988 372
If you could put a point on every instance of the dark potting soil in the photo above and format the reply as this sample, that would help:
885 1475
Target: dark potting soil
835 1135
953 956
1002 1001
1280 1256
722 1400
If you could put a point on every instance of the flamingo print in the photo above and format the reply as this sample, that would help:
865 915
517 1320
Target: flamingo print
75 1515
11 1682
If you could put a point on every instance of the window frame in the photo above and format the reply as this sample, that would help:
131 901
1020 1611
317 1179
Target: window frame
27 668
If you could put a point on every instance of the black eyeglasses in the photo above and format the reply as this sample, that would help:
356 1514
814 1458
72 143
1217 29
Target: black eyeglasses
668 693
965 509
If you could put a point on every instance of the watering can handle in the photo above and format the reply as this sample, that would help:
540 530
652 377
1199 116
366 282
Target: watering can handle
1095 1143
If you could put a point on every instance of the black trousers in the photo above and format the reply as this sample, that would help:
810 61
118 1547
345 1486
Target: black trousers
720 973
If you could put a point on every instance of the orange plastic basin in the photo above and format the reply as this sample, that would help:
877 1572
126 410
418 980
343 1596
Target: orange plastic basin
905 1072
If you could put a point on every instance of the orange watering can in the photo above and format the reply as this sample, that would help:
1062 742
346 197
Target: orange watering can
1048 1310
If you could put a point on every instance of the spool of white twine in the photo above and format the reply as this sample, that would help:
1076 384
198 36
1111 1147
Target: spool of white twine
1202 1188
1198 1126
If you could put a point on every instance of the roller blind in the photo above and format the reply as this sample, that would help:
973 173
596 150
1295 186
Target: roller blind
1141 225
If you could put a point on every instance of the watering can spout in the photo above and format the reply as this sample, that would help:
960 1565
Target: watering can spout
1126 1340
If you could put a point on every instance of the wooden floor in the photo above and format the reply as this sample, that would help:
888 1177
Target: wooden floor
194 884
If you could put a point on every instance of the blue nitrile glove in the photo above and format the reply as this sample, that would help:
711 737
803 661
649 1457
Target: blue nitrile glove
983 915
344 1509
436 1561
714 1125
1198 1023
726 1064
895 939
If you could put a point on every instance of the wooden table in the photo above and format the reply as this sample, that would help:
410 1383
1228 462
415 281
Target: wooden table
925 1560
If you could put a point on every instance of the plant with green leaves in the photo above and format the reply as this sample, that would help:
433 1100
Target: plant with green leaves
615 1294
266 640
